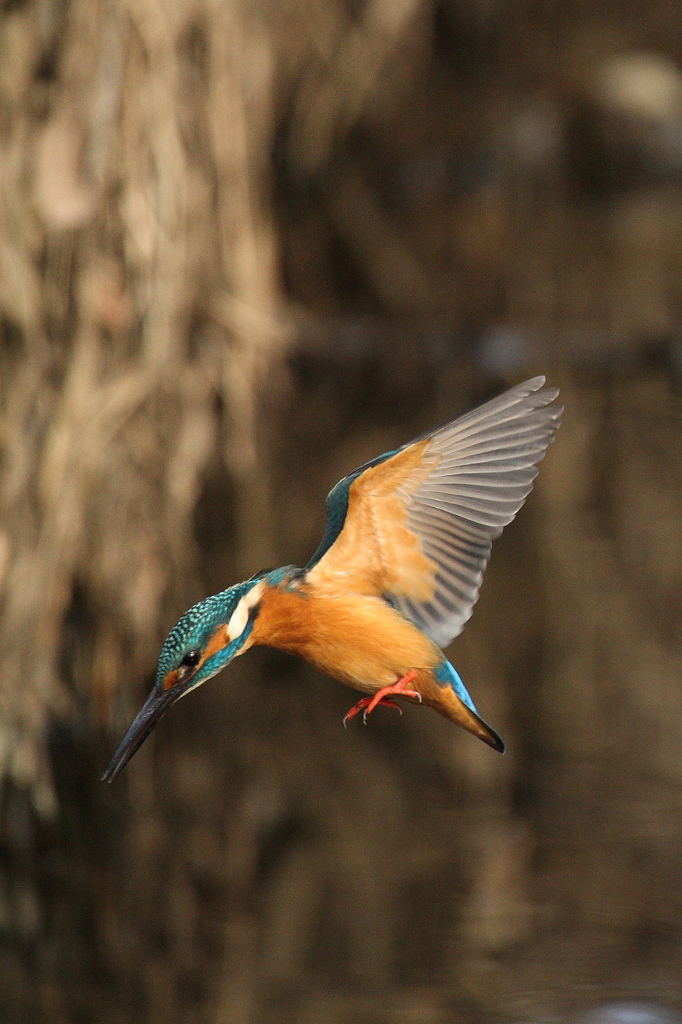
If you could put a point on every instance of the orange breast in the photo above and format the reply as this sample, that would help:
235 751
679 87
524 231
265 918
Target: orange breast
356 639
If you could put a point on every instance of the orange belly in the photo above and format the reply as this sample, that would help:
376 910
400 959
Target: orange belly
358 640
361 641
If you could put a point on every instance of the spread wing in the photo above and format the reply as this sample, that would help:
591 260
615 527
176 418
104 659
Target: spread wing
415 526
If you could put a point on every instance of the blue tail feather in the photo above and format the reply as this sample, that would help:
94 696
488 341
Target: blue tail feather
447 676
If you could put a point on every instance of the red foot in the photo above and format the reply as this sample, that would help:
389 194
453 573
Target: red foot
368 704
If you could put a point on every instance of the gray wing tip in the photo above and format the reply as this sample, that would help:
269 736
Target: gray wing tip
552 413
523 397
530 387
539 397
542 400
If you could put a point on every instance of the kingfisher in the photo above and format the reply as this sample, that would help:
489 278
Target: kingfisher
393 580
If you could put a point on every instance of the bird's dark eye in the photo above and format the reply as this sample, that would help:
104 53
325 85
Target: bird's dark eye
191 659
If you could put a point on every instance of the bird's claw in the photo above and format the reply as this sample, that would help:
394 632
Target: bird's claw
368 704
364 706
385 704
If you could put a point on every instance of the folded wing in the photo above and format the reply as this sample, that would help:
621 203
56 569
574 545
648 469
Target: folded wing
415 526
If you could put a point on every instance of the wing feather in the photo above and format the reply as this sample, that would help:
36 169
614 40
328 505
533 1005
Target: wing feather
416 525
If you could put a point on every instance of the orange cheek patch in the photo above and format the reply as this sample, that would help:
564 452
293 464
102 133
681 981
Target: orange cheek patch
170 679
216 642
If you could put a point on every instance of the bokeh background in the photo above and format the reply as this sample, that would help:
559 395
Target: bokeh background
245 247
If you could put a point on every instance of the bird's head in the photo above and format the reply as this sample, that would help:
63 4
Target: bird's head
202 642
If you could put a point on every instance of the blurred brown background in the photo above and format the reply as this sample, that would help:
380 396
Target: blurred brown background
243 248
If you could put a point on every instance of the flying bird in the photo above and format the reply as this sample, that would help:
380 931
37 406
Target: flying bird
393 580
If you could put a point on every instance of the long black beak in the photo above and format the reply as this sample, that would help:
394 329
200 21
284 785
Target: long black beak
149 716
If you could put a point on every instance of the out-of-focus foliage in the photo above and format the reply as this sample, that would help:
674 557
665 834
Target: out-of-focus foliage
243 248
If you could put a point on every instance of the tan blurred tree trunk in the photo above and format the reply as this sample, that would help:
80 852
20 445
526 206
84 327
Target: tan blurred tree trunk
138 285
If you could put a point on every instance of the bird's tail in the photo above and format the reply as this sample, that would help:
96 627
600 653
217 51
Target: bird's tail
445 692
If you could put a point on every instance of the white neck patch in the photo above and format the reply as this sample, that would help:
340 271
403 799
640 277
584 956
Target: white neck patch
240 616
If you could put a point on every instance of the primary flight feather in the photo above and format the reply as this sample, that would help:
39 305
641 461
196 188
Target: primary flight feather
394 579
